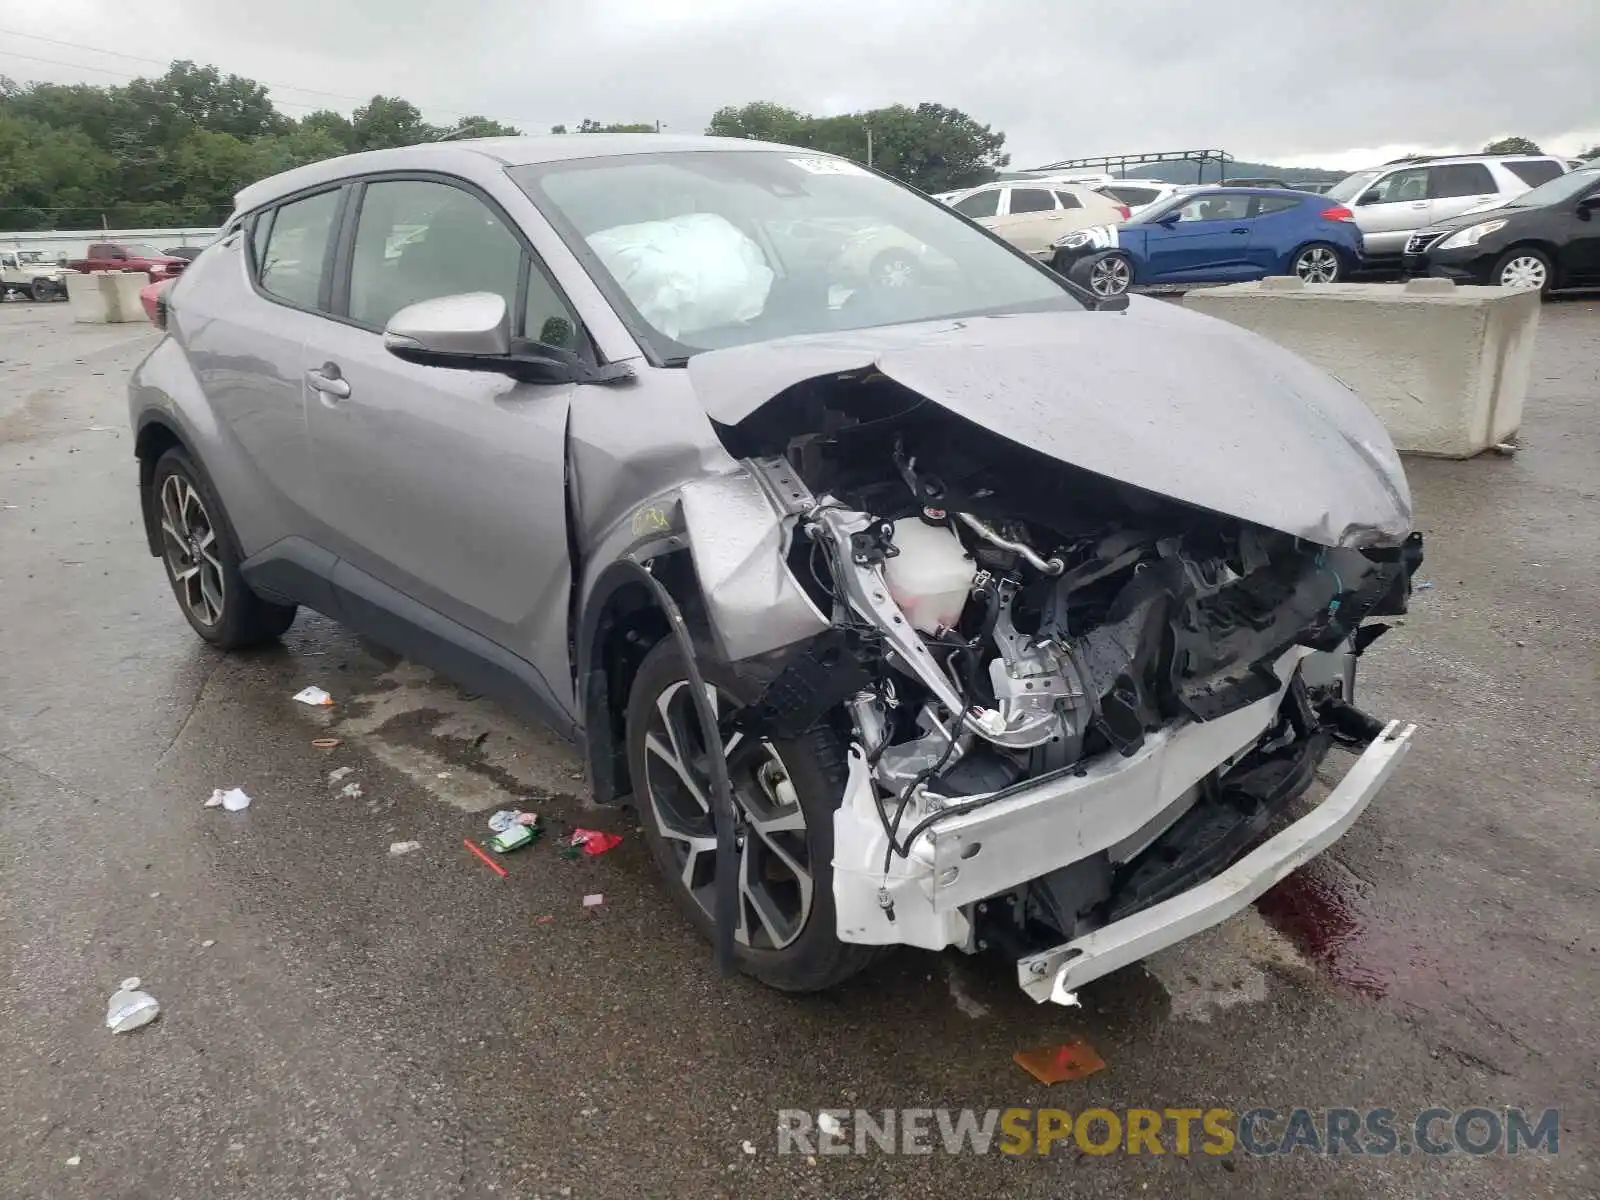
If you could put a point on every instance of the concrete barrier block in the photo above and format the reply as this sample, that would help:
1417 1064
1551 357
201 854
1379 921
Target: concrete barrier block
1445 369
105 297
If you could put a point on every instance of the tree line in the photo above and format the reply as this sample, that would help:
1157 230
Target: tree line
173 150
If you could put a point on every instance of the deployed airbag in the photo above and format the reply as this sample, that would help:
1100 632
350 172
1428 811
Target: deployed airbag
687 273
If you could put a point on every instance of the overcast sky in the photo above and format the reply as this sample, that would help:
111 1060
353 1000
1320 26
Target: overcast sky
1336 83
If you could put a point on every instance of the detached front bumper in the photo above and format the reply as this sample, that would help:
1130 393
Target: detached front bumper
1054 974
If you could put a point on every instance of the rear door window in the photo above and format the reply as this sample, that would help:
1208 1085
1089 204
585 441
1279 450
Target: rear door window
1131 195
1267 205
979 204
1461 179
1068 200
297 248
1533 171
1031 200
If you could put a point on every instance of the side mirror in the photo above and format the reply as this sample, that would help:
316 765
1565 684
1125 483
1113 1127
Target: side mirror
472 332
1587 206
1170 219
1369 197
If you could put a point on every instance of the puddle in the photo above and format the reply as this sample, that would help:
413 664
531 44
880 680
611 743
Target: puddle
1332 917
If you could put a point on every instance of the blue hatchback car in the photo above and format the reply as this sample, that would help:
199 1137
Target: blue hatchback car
1216 235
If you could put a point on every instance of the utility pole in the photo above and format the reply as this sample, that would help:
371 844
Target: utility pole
869 145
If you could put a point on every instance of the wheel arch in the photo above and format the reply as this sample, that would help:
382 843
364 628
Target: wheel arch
622 621
153 438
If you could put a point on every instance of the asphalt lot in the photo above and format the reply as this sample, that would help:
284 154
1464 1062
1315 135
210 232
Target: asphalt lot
340 1022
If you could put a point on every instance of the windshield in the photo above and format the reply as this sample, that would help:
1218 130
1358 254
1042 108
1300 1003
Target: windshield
707 249
30 256
1351 186
138 251
1562 187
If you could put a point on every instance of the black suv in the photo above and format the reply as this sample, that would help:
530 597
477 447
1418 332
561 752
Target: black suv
1546 238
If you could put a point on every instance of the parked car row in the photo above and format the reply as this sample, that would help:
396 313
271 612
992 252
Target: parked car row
1409 215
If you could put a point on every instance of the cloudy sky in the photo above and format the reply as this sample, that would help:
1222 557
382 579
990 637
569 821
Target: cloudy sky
1336 83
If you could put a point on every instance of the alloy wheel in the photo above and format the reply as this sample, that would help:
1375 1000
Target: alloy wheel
190 542
775 876
1318 264
1525 271
1110 276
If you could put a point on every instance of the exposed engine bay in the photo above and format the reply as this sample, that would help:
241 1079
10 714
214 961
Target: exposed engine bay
1002 619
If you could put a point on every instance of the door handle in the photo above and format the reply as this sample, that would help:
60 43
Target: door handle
1239 229
1419 204
329 380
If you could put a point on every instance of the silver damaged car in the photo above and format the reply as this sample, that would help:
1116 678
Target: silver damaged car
928 602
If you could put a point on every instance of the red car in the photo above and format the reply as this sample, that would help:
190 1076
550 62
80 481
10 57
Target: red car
154 306
129 256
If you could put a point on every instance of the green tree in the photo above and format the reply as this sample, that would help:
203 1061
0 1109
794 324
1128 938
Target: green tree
208 167
335 125
590 125
477 127
49 178
386 121
1592 152
295 149
762 121
1512 145
931 147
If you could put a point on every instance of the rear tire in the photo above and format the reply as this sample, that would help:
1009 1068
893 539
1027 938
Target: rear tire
809 774
1317 263
201 555
1526 268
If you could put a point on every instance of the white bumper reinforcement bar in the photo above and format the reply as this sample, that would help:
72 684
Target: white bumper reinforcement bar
1056 973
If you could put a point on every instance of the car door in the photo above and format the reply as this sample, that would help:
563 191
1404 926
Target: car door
1580 257
265 291
1395 206
1277 227
443 491
1453 188
1208 240
1029 219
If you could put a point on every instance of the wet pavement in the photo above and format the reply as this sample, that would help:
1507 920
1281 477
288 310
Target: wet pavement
337 1021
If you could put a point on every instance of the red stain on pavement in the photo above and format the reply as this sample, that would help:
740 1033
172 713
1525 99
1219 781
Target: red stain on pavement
1335 922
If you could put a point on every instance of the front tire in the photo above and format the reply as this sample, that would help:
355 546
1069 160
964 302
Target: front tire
40 291
1317 263
1109 275
785 793
1526 269
201 554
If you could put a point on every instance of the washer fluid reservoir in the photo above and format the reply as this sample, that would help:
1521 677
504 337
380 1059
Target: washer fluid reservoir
931 576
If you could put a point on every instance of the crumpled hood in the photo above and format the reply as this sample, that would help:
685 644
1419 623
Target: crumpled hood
1164 399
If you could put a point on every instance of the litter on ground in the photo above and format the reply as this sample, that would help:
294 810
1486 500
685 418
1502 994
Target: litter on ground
594 841
353 790
313 696
399 848
594 900
544 920
324 743
1057 1064
233 799
507 817
513 837
339 773
484 858
130 1008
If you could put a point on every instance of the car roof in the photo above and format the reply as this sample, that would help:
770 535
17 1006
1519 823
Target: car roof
1445 160
500 151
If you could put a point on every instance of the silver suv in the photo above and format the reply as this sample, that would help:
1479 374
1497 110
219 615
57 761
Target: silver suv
1392 202
940 609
